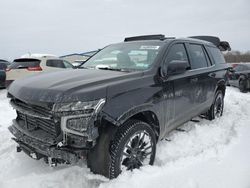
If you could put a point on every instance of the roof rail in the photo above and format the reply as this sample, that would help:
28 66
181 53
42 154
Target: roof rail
145 37
222 45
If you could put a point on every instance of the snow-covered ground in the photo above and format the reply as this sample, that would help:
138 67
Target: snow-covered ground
208 154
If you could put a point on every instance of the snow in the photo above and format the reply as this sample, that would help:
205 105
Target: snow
208 154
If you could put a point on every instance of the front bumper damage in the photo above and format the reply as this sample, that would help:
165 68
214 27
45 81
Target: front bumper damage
45 148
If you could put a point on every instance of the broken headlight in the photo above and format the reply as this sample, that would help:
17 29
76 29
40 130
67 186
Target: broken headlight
95 106
78 123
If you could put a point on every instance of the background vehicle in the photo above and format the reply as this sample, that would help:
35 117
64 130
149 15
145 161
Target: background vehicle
126 98
2 78
31 65
4 64
239 76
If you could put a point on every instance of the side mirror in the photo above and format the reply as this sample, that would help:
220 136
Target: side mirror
175 67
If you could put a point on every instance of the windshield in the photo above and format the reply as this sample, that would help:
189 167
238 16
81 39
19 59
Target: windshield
125 56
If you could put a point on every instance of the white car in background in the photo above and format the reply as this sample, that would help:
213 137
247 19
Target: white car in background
34 64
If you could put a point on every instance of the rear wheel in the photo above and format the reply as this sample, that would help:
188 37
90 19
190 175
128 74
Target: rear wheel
216 110
243 85
133 146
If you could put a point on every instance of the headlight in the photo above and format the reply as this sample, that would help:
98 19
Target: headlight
78 124
95 106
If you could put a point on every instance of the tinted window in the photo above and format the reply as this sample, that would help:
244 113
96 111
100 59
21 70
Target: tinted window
24 63
198 56
177 53
55 63
217 55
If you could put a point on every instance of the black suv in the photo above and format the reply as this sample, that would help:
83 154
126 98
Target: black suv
125 98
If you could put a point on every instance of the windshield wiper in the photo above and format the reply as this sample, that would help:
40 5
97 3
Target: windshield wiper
113 69
83 67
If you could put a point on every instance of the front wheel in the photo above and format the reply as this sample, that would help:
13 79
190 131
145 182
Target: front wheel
216 110
133 146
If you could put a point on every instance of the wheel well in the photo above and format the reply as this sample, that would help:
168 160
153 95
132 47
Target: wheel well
242 77
222 88
150 118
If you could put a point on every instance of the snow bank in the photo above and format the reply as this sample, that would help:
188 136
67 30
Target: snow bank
208 154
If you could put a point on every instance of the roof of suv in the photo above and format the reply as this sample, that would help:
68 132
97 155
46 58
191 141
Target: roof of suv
210 40
38 56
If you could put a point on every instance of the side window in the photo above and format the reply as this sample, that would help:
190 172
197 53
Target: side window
57 63
217 55
198 56
177 52
67 64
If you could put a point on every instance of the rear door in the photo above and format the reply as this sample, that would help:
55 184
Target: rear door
204 82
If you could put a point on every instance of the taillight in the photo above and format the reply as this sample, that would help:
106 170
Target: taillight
34 68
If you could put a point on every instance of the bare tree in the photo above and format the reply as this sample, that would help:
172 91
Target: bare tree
237 56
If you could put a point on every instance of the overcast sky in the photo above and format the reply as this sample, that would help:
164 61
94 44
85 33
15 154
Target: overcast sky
66 26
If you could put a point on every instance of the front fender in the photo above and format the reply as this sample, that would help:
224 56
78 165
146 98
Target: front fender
134 110
128 114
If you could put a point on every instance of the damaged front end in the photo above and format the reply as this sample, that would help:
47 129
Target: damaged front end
59 133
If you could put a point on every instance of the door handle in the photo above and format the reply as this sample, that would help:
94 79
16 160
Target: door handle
193 80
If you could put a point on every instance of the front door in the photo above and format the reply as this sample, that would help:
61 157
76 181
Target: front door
183 86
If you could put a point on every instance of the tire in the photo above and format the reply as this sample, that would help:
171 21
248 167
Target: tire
216 110
132 146
243 85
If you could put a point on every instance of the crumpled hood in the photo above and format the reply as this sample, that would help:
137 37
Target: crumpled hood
66 86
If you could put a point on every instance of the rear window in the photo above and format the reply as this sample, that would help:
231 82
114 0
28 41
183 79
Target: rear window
24 63
217 55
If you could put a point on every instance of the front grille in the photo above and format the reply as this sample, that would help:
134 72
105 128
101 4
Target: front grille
45 111
33 117
33 123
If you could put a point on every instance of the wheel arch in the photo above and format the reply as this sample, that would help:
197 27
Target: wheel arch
144 114
242 76
221 86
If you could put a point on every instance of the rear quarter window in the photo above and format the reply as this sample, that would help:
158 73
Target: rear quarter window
55 63
216 55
